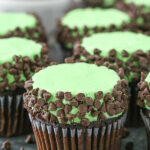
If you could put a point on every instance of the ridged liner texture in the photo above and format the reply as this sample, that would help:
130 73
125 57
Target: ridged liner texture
13 117
106 136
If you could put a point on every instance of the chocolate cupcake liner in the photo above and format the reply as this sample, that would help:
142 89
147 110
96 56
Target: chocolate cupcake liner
133 117
13 117
106 136
146 121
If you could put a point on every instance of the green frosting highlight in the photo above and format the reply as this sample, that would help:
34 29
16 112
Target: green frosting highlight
10 21
76 78
94 17
18 46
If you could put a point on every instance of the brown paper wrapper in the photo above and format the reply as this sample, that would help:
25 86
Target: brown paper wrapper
13 117
146 121
105 136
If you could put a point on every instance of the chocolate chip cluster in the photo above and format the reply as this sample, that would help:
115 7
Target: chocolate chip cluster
65 34
133 66
144 93
21 66
29 32
39 104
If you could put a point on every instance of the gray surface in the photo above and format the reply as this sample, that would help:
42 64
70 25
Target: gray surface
137 136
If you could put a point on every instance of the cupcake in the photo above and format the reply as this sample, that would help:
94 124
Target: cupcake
85 21
144 102
138 8
22 25
128 50
101 3
77 106
20 58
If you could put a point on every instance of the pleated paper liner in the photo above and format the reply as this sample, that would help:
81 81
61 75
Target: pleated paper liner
105 136
146 121
13 117
133 116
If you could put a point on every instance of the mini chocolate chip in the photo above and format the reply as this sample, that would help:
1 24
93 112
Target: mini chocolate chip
82 108
52 106
26 59
53 119
6 145
80 97
74 102
13 71
99 95
60 113
7 65
112 53
143 76
67 108
97 51
97 104
67 95
59 104
35 91
69 60
121 73
125 53
95 113
124 83
41 92
29 140
16 58
85 122
60 95
108 97
89 101
40 102
46 96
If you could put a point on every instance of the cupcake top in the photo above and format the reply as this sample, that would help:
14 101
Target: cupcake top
11 21
144 4
94 17
18 61
75 93
18 46
144 92
119 41
124 48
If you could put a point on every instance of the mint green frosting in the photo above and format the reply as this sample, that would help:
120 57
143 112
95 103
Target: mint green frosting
18 46
144 3
10 21
108 3
76 78
139 2
94 17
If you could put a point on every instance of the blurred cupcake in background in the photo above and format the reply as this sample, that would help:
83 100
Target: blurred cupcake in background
138 8
20 58
144 102
77 106
100 3
86 21
22 25
127 50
